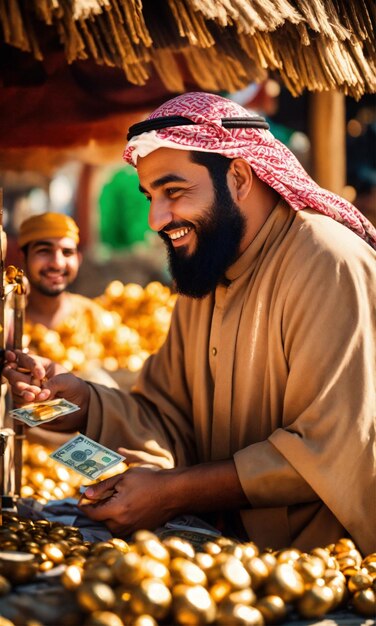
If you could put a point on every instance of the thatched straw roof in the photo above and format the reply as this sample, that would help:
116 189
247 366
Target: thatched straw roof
222 44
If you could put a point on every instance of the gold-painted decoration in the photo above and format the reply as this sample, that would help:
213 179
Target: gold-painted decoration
316 600
131 323
151 581
272 608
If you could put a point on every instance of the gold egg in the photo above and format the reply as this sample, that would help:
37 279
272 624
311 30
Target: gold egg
211 548
369 558
272 608
78 551
109 556
258 570
18 567
343 545
370 566
240 615
100 572
315 601
360 581
268 559
119 544
286 582
350 554
151 546
235 549
219 590
364 602
179 547
240 596
104 618
310 567
193 605
144 620
71 578
151 568
337 583
250 550
127 568
95 596
288 556
53 552
46 565
204 560
186 572
151 597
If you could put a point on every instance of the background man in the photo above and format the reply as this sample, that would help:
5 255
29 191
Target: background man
49 243
261 403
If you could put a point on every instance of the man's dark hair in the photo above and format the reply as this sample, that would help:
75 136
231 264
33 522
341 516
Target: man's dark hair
216 164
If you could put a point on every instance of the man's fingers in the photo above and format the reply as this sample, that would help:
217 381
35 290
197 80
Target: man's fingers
96 492
26 362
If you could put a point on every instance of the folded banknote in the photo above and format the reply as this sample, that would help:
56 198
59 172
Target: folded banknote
87 457
39 413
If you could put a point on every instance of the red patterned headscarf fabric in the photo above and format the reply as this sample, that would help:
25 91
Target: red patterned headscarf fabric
271 160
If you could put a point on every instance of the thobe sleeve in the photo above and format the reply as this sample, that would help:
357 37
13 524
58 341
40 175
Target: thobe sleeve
325 445
153 421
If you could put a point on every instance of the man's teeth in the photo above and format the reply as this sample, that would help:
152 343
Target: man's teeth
179 233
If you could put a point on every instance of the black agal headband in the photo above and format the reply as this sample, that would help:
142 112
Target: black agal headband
176 120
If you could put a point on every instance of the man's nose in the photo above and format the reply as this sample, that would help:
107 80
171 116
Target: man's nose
159 214
57 259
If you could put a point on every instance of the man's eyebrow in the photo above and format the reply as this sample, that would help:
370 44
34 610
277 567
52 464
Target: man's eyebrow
49 244
40 242
159 182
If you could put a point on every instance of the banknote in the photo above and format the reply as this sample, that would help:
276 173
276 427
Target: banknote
39 413
87 457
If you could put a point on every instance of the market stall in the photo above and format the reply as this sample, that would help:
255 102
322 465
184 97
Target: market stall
74 77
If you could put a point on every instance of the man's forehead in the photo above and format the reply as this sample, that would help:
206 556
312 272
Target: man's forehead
55 242
167 162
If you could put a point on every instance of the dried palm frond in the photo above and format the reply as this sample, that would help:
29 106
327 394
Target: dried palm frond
313 44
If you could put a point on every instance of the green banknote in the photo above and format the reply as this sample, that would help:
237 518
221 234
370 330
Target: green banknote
87 457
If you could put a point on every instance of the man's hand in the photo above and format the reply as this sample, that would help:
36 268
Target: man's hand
35 379
138 498
147 498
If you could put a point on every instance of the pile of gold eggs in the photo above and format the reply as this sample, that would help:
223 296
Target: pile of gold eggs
149 581
130 323
44 479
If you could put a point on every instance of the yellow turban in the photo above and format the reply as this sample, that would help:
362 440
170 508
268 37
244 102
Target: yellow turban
46 226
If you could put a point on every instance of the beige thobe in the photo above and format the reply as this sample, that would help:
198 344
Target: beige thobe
276 369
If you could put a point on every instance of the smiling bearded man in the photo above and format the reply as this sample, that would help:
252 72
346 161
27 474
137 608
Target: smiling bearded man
219 234
259 408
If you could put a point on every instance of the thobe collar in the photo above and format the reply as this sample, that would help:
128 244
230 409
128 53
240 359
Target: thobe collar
279 219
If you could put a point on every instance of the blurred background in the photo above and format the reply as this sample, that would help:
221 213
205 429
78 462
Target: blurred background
74 77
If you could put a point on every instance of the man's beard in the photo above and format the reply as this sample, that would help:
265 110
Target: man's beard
45 290
218 241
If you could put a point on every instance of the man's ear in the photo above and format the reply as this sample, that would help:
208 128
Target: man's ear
79 257
240 178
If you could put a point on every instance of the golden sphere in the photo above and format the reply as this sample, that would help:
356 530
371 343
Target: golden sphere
286 582
364 602
315 601
192 605
272 608
95 596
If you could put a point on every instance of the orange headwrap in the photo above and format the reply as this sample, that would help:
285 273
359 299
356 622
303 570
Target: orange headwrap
46 226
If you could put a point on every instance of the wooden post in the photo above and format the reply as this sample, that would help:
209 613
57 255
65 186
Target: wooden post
327 129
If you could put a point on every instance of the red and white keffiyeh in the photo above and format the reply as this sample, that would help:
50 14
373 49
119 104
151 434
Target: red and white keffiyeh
271 161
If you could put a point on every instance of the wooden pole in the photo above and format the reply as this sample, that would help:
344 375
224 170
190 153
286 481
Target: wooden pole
327 129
